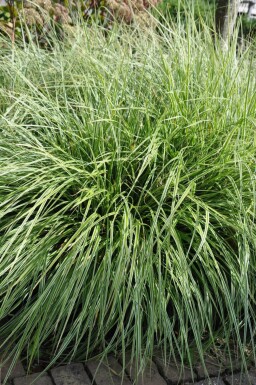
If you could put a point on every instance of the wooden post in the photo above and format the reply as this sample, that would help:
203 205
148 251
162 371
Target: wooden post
226 16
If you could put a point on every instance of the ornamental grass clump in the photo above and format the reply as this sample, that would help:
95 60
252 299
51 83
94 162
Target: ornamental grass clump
127 197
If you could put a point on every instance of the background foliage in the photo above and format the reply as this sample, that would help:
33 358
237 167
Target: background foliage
47 14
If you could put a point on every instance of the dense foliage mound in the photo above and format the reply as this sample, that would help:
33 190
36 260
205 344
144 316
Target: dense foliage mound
127 196
35 19
41 16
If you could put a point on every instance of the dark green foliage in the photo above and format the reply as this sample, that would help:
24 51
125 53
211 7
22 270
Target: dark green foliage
247 28
179 9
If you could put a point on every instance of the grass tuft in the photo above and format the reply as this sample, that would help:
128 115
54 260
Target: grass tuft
127 196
